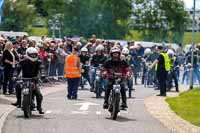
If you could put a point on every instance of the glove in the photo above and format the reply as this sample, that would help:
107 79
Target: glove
128 75
104 74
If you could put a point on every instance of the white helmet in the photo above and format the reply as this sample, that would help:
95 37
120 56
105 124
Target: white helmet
170 52
99 48
84 49
147 51
125 51
32 54
115 50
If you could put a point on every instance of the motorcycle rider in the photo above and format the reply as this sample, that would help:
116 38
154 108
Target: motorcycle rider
173 72
128 59
97 59
30 67
84 59
145 62
115 64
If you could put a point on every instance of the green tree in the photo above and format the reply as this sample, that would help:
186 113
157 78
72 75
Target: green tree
105 18
17 15
160 20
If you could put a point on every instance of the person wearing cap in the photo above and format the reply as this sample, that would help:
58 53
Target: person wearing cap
73 73
162 67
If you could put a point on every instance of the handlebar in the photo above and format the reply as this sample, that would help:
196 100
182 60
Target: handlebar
21 78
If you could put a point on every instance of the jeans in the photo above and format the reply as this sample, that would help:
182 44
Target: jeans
8 74
92 74
60 69
172 76
73 84
197 74
186 76
52 69
130 83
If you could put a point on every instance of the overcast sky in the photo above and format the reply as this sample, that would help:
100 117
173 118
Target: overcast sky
189 3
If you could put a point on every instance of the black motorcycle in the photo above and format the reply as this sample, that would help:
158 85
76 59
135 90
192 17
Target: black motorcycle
28 85
114 98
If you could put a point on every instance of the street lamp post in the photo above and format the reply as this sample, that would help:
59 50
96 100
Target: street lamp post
193 36
55 25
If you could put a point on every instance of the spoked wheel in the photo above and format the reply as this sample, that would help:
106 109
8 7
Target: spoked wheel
97 89
26 106
115 107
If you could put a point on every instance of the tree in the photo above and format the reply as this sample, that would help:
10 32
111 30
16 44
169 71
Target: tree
158 20
17 15
104 18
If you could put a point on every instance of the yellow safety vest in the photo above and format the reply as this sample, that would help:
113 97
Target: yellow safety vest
167 62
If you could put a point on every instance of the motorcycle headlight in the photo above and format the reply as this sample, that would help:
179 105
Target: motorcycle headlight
98 72
25 91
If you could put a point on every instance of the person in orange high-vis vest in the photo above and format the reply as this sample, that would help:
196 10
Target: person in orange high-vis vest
73 73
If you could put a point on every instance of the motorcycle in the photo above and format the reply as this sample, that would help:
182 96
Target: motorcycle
149 77
28 85
97 83
114 98
85 76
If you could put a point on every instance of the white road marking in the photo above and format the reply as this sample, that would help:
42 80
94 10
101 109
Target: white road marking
80 112
48 112
98 112
85 106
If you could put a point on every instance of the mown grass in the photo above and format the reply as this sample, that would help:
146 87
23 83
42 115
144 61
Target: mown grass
187 106
38 31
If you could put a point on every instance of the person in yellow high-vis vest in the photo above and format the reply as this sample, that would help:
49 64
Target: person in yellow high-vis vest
73 73
162 67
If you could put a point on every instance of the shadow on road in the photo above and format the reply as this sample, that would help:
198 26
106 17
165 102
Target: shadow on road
33 116
121 119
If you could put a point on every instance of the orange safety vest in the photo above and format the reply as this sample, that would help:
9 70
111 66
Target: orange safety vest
71 68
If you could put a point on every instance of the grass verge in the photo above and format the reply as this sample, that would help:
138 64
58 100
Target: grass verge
187 106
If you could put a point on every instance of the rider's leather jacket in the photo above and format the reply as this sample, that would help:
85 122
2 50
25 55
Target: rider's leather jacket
97 60
111 67
29 69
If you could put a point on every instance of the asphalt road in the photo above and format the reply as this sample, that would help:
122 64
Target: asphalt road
85 115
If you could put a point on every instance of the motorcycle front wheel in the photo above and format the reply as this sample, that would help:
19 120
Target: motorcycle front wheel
115 107
26 106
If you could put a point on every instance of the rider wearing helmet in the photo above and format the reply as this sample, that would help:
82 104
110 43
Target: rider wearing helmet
172 75
84 59
147 51
30 68
128 59
115 65
125 53
97 59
